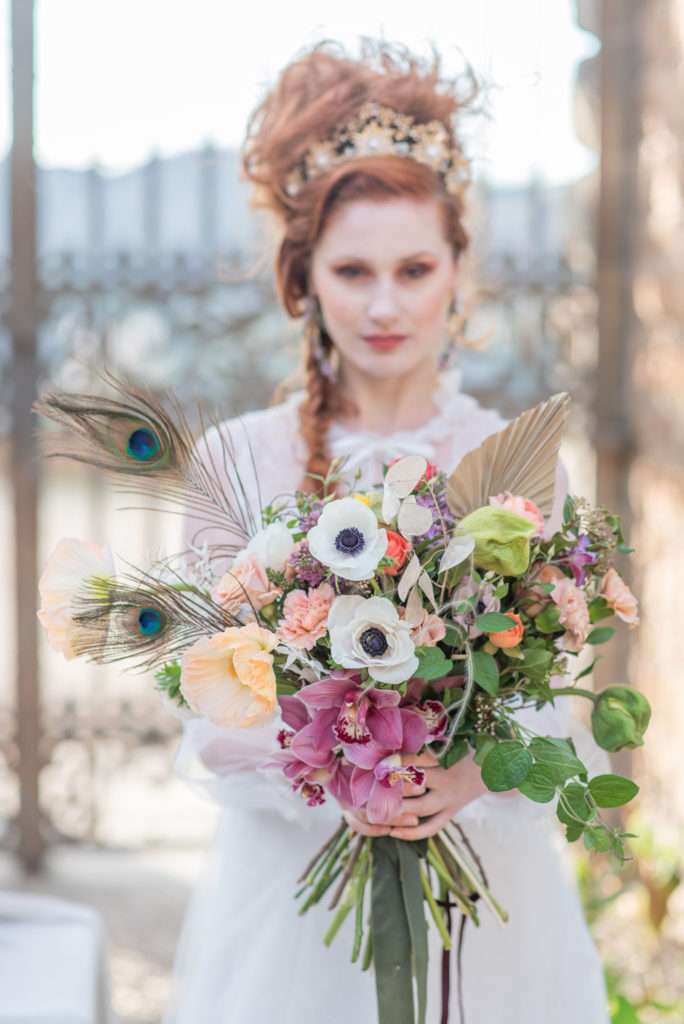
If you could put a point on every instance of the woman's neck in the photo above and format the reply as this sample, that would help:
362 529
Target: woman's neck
388 406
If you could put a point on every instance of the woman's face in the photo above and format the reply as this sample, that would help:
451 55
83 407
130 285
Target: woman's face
384 275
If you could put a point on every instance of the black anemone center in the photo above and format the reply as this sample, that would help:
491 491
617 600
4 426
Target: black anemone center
374 642
350 541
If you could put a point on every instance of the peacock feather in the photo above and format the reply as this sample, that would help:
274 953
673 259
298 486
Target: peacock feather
134 436
146 620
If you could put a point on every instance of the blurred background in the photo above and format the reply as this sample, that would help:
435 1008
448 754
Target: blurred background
126 241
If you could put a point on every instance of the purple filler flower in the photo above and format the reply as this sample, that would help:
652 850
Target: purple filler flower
577 558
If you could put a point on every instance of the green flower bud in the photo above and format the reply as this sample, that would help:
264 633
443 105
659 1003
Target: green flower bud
375 504
620 718
502 539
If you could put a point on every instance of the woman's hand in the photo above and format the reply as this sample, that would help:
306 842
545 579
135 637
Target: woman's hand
446 791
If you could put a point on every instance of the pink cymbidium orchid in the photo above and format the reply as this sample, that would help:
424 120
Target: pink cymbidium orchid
380 791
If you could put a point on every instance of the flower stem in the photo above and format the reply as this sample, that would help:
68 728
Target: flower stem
434 910
573 691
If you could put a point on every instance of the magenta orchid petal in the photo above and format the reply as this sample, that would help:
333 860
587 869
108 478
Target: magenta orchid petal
339 785
383 698
435 717
384 725
361 783
414 691
330 692
415 731
350 726
449 682
365 755
391 772
293 712
305 748
384 803
323 722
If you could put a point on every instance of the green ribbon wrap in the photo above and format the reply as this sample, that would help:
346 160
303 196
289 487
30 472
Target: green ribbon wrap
400 952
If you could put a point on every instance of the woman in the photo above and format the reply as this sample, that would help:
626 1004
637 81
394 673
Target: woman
359 163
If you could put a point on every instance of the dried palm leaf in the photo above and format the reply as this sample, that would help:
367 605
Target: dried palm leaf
521 458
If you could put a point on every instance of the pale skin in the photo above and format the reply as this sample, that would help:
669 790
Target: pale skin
385 268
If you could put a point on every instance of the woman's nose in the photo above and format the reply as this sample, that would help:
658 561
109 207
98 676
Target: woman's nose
383 306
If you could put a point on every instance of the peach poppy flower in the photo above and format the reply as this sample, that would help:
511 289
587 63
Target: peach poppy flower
73 567
229 678
620 598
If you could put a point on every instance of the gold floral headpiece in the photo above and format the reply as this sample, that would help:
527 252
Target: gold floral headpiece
381 131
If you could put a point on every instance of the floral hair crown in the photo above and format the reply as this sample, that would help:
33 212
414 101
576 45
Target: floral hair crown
381 131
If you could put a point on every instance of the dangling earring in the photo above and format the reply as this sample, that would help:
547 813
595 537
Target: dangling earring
313 334
455 325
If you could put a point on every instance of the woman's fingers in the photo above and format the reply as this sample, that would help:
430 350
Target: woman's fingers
425 829
424 760
422 806
364 827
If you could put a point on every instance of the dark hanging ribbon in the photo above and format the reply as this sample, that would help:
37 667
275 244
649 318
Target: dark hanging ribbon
446 961
399 930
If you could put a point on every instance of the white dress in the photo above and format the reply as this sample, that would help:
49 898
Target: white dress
245 955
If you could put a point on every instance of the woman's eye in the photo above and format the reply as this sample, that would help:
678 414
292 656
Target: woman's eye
416 270
350 272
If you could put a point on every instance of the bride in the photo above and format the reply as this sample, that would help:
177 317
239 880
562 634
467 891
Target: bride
359 163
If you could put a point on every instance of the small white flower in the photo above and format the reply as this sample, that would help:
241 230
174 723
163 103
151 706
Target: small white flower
347 539
272 546
368 633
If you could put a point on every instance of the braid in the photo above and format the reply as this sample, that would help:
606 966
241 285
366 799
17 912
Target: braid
323 403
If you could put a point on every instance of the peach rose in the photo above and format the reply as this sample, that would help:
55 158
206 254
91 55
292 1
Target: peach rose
507 638
574 613
429 631
246 581
74 567
229 678
305 616
620 598
522 507
397 548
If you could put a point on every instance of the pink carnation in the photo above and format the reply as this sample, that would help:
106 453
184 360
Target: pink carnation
306 616
246 582
620 598
521 506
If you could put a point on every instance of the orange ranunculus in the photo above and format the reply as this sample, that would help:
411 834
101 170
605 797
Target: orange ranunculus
508 637
229 678
397 548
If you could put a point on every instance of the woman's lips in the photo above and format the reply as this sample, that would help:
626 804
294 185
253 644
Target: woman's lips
384 342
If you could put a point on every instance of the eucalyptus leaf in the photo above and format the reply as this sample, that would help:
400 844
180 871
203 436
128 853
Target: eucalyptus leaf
506 766
460 547
413 519
612 790
540 784
486 672
600 635
409 577
494 622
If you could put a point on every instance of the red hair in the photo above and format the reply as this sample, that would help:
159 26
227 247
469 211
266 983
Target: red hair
313 96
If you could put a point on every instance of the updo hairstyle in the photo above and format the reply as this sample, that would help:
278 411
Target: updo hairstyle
313 96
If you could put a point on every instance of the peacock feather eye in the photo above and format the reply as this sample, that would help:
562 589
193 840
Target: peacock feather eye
143 444
150 621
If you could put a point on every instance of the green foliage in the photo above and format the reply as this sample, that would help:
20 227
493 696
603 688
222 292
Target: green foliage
612 790
600 635
506 766
494 622
432 663
168 681
486 672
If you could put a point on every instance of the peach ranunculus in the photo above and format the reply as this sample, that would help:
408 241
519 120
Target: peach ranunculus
305 616
508 638
521 506
245 582
428 632
574 613
620 598
397 548
73 567
229 678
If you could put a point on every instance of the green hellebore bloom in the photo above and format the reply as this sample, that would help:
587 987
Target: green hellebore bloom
620 718
502 539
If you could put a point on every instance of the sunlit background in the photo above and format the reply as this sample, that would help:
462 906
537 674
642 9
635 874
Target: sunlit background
145 262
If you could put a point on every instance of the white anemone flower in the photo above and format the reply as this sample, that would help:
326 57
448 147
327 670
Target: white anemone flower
273 546
368 633
347 539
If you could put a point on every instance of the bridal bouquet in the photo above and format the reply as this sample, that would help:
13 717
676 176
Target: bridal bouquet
421 615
